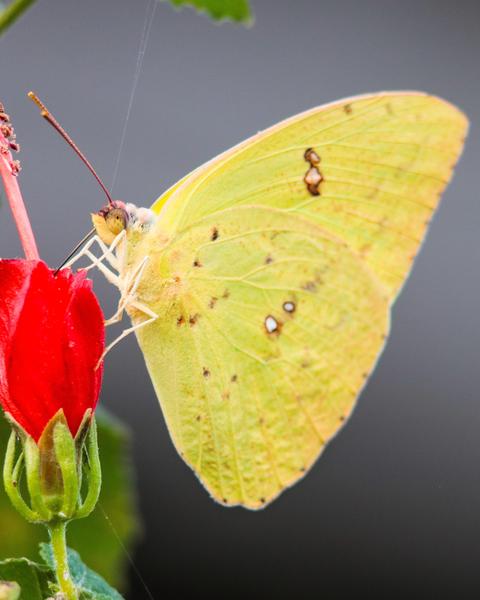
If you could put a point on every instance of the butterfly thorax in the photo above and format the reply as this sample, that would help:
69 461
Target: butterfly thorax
145 260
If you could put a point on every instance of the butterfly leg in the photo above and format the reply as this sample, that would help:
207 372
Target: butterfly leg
109 252
151 317
110 275
136 277
118 315
128 292
81 253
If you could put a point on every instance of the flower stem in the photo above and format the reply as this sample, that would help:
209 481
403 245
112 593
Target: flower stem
12 12
20 216
59 545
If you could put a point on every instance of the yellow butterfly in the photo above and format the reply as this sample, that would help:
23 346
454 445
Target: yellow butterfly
260 285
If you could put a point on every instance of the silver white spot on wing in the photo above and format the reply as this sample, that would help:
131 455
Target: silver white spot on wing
271 324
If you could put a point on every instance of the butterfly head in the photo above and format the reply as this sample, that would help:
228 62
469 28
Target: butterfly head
118 216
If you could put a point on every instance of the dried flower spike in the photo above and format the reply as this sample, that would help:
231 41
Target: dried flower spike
9 169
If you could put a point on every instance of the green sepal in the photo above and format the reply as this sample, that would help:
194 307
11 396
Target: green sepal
66 457
53 469
80 442
50 468
35 485
11 480
94 473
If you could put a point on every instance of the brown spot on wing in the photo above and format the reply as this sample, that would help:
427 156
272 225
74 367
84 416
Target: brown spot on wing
311 156
310 286
313 178
214 235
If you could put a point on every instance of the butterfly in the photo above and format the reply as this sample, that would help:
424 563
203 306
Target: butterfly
260 285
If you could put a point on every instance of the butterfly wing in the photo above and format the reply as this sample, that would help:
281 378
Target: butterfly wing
273 269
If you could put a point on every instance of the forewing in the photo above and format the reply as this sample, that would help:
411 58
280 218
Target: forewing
384 160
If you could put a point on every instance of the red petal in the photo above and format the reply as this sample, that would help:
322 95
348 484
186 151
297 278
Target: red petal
14 285
53 337
83 346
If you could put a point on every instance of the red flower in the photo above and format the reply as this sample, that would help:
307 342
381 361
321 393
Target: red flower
51 339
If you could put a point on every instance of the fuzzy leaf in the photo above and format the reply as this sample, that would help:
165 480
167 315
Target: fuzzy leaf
90 585
231 10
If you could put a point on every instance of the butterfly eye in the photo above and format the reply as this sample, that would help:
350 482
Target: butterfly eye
116 220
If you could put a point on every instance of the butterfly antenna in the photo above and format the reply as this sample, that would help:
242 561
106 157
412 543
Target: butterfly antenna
89 235
56 125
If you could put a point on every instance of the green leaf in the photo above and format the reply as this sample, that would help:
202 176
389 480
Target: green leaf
32 578
89 583
23 579
112 526
232 10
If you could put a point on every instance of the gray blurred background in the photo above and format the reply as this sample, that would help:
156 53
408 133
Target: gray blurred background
394 503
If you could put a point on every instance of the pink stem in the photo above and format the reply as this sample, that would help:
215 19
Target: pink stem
20 216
